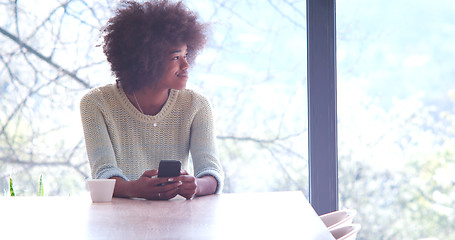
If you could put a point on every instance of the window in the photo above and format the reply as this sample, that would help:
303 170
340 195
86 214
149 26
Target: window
254 70
396 102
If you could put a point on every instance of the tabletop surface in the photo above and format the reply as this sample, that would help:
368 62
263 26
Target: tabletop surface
272 215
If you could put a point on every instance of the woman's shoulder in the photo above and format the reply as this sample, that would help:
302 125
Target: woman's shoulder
96 94
192 95
193 101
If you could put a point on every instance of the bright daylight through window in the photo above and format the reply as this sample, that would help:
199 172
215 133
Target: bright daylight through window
396 118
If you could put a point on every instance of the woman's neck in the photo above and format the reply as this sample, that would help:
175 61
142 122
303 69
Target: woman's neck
148 100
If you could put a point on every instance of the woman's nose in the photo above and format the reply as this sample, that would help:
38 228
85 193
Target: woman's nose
184 64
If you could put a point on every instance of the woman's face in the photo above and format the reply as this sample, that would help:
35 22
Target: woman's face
175 75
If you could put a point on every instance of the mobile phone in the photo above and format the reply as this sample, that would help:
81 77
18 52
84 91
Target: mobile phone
169 168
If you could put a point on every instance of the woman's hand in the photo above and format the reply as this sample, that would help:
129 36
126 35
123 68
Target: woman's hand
189 185
192 186
148 187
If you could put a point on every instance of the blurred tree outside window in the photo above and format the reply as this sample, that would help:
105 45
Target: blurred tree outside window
396 116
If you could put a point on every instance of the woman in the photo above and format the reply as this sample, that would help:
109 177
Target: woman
148 115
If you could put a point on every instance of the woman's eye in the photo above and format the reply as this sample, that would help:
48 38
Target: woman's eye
178 57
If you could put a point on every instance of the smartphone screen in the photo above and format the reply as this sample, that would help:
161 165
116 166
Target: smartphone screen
169 168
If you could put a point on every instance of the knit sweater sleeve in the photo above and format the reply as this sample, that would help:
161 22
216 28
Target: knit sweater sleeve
203 146
97 140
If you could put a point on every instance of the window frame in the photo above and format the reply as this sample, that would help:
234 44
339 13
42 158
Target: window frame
322 105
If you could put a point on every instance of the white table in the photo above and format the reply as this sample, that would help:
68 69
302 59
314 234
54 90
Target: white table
273 215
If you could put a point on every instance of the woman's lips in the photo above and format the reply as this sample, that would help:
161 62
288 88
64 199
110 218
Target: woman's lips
182 75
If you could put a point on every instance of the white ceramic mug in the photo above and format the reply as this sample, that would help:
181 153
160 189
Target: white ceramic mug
101 190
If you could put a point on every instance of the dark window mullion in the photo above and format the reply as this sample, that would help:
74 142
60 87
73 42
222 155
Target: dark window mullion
322 106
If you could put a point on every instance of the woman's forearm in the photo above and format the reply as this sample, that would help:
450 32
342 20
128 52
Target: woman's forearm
123 188
206 185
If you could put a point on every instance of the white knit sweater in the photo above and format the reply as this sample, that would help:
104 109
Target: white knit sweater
123 142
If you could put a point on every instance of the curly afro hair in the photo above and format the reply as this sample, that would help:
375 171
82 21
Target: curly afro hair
137 40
